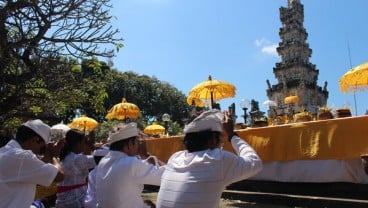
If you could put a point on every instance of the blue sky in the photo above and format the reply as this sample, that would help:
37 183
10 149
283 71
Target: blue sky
183 41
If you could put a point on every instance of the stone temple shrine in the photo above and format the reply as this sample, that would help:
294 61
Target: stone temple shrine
296 76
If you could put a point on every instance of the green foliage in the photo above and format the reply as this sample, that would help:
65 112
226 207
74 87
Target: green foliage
55 92
102 132
175 129
119 46
36 110
50 70
12 124
38 78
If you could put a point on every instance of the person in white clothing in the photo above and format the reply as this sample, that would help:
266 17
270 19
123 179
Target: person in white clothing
196 177
121 174
90 201
21 169
72 191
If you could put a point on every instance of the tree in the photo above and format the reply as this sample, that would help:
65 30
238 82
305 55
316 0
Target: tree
95 82
56 91
35 38
152 96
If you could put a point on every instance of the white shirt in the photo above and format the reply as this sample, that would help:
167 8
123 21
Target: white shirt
120 180
76 169
20 172
197 179
90 201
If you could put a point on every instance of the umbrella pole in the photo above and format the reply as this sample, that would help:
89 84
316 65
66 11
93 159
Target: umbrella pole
84 129
125 118
355 103
212 104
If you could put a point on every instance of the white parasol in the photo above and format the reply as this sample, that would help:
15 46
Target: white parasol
270 103
58 131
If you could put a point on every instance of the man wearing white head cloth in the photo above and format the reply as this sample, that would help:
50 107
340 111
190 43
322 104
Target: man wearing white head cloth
121 175
196 177
21 169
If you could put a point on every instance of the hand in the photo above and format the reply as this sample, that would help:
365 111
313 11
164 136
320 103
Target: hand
228 125
60 175
142 149
54 148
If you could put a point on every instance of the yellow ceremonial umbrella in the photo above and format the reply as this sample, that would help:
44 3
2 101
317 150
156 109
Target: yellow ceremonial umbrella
154 129
196 101
291 99
212 89
83 123
123 110
354 80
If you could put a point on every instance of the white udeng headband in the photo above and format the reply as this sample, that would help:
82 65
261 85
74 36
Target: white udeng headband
40 128
208 120
125 132
100 152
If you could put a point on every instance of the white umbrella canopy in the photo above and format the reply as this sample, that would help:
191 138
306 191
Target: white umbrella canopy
58 131
270 103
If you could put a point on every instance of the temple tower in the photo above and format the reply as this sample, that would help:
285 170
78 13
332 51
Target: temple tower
296 76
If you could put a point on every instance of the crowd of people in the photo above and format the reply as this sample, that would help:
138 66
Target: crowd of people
114 175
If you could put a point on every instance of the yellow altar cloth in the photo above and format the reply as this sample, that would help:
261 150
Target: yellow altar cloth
341 138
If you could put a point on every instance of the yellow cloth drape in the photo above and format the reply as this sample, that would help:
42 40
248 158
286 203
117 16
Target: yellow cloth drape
342 138
45 191
164 147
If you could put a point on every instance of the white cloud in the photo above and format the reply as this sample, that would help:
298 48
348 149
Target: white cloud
270 49
266 46
261 42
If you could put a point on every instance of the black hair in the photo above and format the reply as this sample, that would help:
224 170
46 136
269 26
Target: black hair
4 140
5 137
98 158
24 133
72 138
118 146
198 141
